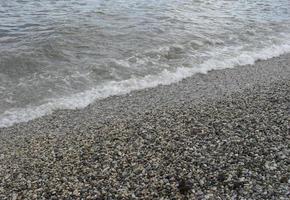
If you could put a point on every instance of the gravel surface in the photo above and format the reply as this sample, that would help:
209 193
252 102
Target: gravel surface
224 135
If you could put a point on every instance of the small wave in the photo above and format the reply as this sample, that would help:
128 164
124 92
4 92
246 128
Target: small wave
83 99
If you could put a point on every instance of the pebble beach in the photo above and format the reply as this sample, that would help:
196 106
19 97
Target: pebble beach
220 135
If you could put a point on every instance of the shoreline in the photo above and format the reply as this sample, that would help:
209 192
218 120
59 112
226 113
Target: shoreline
197 88
224 134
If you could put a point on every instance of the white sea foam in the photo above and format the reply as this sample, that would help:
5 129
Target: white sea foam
81 100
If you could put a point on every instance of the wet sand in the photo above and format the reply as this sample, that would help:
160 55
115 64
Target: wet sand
223 135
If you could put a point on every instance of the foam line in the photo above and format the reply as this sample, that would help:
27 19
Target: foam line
83 99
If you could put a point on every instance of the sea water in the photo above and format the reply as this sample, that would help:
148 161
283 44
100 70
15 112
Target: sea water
65 54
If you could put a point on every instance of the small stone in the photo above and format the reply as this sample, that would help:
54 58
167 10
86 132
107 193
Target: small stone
28 184
221 177
184 186
209 196
237 185
270 165
196 130
76 193
284 179
14 196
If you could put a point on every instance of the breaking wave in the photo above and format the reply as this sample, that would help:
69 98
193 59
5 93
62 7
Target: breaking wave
166 77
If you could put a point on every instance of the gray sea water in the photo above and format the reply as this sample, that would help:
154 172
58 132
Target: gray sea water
57 54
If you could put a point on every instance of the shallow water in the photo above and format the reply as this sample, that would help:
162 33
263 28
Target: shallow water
65 54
